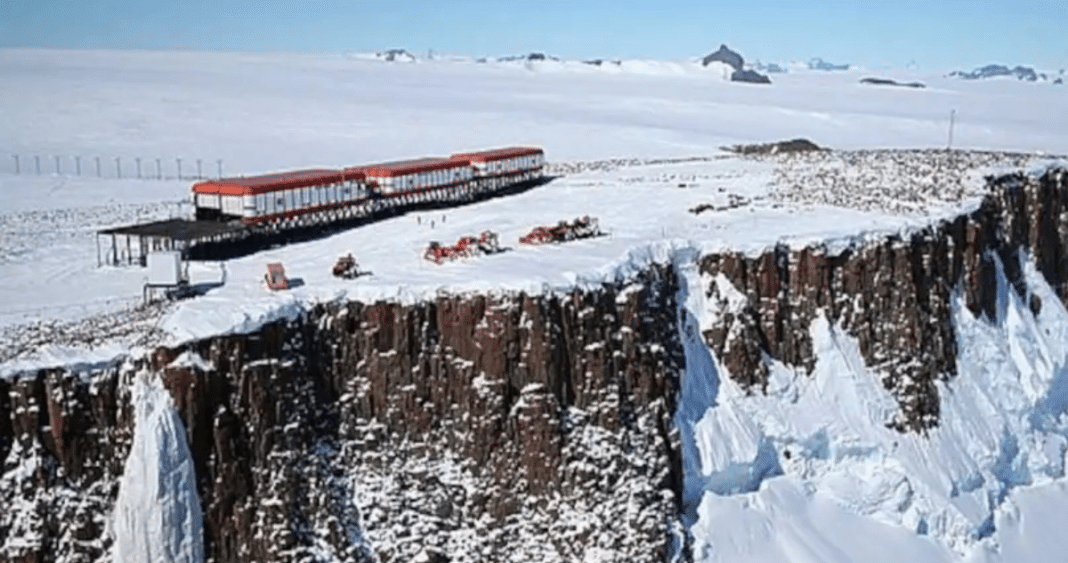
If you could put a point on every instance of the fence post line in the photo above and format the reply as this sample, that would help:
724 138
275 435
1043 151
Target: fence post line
118 167
17 171
78 165
37 163
159 170
179 161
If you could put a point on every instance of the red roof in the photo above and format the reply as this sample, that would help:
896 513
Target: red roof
498 154
405 167
249 185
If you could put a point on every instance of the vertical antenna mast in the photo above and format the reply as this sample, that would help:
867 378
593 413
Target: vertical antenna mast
952 119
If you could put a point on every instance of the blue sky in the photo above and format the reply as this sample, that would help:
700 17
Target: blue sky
937 34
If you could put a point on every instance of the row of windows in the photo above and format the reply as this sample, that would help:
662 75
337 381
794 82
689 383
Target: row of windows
424 179
513 164
299 198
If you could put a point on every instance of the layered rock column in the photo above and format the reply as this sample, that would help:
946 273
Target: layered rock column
893 294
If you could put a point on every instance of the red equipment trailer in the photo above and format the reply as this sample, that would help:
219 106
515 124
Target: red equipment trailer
580 228
485 243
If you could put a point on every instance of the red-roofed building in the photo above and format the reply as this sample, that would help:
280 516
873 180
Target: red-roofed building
317 196
258 199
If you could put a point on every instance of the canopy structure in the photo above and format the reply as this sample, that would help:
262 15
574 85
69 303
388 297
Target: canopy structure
169 234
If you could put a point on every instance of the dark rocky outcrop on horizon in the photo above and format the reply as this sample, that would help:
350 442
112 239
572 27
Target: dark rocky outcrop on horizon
601 62
733 59
396 55
993 71
529 57
750 76
779 147
890 82
726 56
494 427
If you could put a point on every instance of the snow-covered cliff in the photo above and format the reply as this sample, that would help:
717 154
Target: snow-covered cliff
708 406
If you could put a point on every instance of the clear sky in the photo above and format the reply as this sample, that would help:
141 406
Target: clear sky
936 34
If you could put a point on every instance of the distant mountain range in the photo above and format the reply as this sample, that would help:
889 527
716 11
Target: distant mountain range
820 64
390 55
735 68
812 64
770 68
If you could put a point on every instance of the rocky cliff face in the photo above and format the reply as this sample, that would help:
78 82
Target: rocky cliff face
492 427
63 439
892 294
469 428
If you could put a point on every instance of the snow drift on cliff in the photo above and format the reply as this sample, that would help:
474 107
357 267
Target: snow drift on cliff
157 513
811 472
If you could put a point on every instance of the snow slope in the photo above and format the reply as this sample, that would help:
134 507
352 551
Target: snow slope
781 477
158 513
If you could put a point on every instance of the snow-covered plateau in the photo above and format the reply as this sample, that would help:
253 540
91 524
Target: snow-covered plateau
839 355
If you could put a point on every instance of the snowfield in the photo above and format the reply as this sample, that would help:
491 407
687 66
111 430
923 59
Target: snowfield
636 145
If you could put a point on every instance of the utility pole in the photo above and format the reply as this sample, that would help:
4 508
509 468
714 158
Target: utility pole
952 121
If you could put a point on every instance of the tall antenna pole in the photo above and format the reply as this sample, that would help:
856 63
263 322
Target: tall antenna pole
952 120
